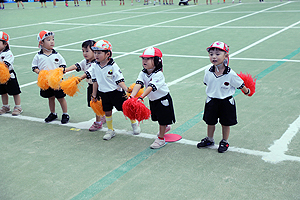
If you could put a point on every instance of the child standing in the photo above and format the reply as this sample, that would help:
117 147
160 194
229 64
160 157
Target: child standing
49 59
12 85
84 65
108 81
221 82
161 105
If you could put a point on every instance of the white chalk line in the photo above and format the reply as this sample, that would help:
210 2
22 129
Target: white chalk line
275 155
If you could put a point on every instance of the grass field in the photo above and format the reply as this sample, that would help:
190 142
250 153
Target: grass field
54 161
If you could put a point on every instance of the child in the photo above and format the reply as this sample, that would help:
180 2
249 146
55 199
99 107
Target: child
221 82
88 3
161 105
76 3
48 59
108 81
103 3
122 3
43 1
12 85
2 2
84 65
18 2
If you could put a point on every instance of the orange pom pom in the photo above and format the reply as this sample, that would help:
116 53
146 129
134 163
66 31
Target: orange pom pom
55 77
4 73
249 82
70 85
97 107
135 110
140 92
43 79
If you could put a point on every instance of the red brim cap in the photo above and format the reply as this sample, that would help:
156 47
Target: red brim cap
151 52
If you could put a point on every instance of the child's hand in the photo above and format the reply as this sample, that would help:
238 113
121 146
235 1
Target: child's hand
247 93
79 79
140 99
129 90
94 99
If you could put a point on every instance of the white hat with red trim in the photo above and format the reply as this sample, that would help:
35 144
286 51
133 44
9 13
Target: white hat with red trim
219 45
102 45
42 35
4 36
151 52
223 47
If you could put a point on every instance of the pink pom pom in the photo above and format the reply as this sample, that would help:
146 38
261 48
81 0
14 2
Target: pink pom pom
135 110
249 82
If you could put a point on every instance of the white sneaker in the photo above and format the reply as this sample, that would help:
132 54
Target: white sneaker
109 134
136 128
158 143
4 110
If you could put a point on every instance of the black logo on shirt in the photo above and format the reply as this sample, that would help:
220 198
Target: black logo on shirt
226 83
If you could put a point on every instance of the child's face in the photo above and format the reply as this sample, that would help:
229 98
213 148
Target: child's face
87 53
48 42
2 45
217 56
148 63
101 56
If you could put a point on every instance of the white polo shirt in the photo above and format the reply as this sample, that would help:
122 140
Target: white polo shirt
84 66
107 77
157 81
221 86
42 61
8 58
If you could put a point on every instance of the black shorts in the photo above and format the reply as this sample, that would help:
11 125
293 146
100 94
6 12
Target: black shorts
89 94
12 86
51 92
162 110
112 99
222 109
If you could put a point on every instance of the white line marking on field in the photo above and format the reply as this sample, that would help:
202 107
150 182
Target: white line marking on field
276 154
280 146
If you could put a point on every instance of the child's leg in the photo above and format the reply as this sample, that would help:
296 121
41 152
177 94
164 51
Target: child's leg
51 101
17 109
4 99
63 104
109 122
162 131
210 130
17 99
110 133
225 132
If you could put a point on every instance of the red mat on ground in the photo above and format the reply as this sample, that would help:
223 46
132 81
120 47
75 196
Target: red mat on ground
172 137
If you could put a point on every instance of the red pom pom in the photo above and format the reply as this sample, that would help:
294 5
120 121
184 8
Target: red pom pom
135 110
249 82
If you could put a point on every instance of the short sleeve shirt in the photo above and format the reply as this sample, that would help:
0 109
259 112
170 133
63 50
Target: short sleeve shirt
8 58
107 77
222 86
84 66
42 61
157 81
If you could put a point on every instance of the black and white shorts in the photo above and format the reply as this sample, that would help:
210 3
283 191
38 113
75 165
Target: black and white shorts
11 87
162 110
51 92
222 109
112 99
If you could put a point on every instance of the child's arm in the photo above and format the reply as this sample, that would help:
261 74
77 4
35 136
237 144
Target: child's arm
95 89
246 90
135 90
123 86
36 70
146 92
71 68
